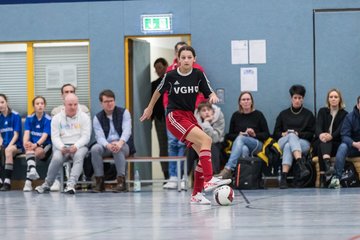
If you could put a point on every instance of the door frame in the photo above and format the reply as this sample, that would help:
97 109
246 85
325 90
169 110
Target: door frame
128 59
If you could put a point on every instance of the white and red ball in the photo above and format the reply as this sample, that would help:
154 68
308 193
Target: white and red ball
224 195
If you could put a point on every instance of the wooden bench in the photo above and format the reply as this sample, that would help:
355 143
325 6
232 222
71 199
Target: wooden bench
354 160
178 161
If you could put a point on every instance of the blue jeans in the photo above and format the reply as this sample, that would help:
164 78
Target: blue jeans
175 148
290 143
243 146
341 154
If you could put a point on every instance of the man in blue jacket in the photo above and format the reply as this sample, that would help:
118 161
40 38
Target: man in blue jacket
350 146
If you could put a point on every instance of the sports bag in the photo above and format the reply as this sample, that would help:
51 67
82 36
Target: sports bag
248 173
350 177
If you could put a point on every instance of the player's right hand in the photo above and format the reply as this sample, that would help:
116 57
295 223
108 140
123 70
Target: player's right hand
147 114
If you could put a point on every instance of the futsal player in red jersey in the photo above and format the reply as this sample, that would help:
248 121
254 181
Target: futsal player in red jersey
183 85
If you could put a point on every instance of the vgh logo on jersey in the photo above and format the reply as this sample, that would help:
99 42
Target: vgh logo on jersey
185 90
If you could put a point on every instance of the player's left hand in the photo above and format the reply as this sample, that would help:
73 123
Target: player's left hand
213 98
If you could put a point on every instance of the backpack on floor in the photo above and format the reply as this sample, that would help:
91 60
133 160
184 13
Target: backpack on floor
248 173
350 177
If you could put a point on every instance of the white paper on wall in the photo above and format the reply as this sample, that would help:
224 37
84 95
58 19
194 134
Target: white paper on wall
248 79
239 52
257 51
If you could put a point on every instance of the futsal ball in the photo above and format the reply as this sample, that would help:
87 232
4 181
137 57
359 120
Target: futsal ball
224 195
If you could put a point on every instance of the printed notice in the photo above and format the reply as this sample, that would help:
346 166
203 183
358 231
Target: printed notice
239 52
257 51
248 79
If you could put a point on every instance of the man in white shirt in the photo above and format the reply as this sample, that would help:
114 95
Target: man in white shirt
70 133
65 90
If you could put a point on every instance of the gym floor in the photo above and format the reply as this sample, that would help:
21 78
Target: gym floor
157 214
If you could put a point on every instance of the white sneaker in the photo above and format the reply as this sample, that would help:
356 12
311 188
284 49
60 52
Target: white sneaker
42 188
199 199
172 184
214 183
56 186
183 185
335 182
33 175
27 186
70 189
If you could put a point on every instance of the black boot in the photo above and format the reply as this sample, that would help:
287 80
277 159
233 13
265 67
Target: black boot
304 172
328 169
283 181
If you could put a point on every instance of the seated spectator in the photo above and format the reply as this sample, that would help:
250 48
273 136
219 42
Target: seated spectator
65 90
10 139
211 120
70 133
248 130
350 144
294 130
37 142
112 127
327 132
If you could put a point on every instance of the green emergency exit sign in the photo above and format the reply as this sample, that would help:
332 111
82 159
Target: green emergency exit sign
156 23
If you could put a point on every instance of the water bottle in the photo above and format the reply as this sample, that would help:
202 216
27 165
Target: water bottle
84 183
279 175
137 183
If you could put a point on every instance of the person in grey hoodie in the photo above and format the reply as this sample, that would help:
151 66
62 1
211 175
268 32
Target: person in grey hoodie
211 120
70 133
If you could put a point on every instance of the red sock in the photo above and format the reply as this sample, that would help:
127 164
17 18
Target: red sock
198 180
205 160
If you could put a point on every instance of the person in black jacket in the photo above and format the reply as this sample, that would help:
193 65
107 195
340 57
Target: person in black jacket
158 116
327 132
294 130
248 130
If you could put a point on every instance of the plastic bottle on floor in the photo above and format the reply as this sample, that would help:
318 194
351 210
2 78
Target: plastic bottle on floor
137 183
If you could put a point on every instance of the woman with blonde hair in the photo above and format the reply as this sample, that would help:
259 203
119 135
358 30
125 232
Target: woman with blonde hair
328 125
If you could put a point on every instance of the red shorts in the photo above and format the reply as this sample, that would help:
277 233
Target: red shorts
180 123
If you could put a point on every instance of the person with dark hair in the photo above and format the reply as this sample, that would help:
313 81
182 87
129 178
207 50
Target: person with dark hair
248 130
10 139
158 117
176 147
328 125
66 89
37 139
350 144
211 119
112 127
183 85
294 131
